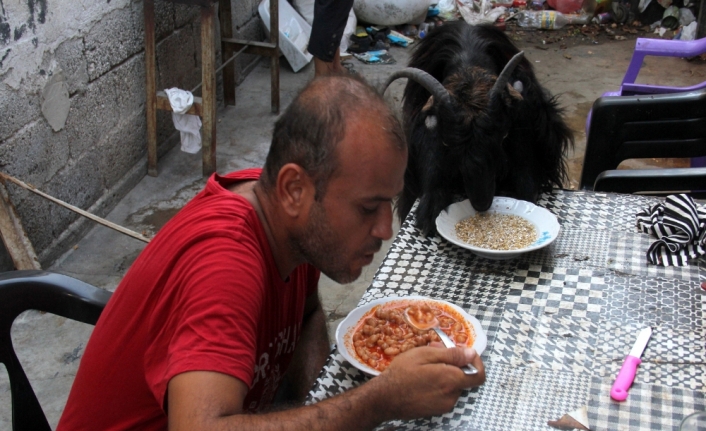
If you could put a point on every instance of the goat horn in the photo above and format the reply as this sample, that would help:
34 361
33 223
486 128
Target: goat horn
504 76
424 79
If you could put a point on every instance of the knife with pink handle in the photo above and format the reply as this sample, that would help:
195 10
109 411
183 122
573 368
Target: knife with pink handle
619 391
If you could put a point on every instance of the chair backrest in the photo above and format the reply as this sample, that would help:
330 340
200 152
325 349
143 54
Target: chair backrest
646 126
44 291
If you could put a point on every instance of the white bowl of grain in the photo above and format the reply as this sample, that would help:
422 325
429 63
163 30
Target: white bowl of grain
508 229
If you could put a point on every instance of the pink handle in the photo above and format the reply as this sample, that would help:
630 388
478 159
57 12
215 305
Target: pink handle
619 391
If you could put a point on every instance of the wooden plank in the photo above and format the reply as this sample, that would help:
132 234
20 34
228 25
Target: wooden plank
164 105
150 88
208 92
14 236
4 177
225 17
265 49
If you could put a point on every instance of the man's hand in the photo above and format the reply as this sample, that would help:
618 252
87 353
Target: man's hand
427 381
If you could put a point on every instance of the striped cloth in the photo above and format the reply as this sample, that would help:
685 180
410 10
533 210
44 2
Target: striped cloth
681 228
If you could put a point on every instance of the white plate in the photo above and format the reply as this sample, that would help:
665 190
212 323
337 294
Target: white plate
545 222
345 328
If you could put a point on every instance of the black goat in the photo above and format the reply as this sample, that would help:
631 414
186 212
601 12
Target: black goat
489 128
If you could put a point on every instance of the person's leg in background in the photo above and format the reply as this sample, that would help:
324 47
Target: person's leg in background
330 18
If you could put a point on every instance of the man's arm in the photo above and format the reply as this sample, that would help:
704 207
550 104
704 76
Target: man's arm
310 355
420 382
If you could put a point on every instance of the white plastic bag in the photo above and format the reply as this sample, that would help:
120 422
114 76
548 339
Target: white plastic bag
689 32
446 8
479 12
686 16
189 126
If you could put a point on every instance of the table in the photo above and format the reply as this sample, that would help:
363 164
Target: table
559 322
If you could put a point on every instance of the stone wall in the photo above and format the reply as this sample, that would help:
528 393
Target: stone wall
73 102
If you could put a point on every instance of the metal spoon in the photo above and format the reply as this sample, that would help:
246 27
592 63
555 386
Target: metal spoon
469 369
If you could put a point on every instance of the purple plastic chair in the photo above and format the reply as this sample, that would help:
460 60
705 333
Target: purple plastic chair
661 48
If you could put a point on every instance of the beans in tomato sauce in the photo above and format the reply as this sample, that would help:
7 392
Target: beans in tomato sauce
383 332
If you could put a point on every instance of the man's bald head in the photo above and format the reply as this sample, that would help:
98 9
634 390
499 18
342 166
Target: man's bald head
311 128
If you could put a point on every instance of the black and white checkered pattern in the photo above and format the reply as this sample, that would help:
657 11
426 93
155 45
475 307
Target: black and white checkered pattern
559 322
526 397
627 253
337 377
574 248
673 357
598 211
653 301
564 291
648 407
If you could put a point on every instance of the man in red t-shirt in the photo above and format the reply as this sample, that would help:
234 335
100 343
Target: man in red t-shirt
221 311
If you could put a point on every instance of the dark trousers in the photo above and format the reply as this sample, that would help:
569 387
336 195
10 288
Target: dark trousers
330 18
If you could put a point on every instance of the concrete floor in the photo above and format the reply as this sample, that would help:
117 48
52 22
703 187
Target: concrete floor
50 347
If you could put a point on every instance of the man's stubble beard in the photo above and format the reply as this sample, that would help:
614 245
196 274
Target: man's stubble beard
322 247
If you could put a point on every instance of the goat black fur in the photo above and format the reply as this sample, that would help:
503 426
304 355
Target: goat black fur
475 147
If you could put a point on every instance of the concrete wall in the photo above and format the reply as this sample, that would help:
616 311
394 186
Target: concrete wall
73 102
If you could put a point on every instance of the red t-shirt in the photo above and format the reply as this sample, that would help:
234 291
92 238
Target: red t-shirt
205 294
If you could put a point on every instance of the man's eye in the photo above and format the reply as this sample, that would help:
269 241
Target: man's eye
369 210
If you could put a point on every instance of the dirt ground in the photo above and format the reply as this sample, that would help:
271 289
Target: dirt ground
575 35
589 34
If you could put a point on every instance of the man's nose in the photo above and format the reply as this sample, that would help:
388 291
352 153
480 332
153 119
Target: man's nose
383 223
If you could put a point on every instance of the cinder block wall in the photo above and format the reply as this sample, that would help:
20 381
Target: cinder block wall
97 50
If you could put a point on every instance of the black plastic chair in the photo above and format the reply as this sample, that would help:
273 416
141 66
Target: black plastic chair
645 126
44 291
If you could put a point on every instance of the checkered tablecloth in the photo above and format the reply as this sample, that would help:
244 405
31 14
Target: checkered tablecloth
559 322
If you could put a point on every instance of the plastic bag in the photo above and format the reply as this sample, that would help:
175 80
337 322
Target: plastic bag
479 12
689 32
686 16
189 126
447 8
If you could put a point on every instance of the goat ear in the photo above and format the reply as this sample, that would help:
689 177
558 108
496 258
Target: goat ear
427 106
514 92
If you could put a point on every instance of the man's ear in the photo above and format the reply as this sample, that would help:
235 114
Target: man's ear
295 189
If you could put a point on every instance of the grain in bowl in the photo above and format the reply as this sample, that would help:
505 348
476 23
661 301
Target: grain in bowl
496 231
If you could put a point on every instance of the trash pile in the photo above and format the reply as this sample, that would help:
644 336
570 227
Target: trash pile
375 25
617 19
371 44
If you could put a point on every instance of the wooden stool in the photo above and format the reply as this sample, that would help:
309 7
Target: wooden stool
205 106
266 49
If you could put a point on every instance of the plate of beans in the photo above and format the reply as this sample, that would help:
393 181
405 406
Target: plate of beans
372 335
508 229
